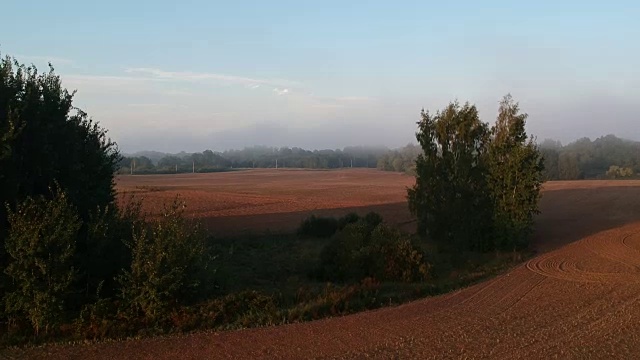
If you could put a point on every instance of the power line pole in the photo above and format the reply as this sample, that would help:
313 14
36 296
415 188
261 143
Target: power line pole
193 163
276 163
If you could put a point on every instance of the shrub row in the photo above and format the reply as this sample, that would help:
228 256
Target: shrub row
370 248
142 270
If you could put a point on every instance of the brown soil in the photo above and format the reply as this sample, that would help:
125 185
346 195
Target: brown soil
255 201
580 298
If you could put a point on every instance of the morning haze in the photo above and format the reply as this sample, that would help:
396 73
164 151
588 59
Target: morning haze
173 77
330 179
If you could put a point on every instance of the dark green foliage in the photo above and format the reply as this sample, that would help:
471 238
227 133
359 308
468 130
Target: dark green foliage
373 219
586 159
323 227
551 164
316 226
166 259
350 218
253 157
372 249
514 177
41 245
450 198
476 189
106 252
45 140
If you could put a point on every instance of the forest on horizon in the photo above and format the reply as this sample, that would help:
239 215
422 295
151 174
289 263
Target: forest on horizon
605 157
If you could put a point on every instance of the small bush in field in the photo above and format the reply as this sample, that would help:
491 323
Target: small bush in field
350 218
372 249
321 227
41 245
166 258
373 219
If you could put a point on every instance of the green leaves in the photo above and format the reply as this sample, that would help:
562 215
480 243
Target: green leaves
476 188
514 178
449 197
41 246
45 140
368 248
165 259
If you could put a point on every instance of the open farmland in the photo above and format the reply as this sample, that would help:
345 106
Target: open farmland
254 201
578 298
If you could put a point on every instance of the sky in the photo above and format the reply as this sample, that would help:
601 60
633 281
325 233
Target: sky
186 75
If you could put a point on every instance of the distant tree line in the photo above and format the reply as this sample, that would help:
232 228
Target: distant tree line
400 160
605 157
256 157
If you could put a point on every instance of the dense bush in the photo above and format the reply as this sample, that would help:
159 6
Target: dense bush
105 252
315 226
372 249
350 218
41 245
45 141
323 227
166 260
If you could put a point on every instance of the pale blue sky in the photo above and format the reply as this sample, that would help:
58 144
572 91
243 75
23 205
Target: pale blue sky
171 76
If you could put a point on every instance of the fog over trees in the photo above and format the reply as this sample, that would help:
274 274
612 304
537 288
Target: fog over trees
607 157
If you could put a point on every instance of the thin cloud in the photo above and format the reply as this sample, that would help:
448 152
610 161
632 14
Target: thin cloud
195 76
280 92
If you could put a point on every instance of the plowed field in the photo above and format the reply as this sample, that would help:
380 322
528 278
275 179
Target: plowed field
579 298
254 201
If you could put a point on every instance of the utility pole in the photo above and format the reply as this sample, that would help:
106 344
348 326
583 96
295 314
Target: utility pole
352 162
176 168
133 161
193 163
276 163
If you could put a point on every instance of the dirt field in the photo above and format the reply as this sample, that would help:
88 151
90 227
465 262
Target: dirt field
255 201
580 298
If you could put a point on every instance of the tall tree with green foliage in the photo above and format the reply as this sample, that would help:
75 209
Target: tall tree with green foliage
450 198
45 140
514 177
476 189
